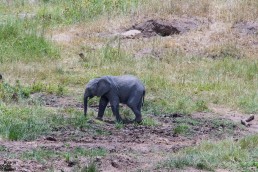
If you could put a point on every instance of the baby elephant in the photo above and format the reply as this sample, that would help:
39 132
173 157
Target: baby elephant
124 89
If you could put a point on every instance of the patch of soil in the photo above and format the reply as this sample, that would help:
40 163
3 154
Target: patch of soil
63 37
236 117
246 27
131 148
52 100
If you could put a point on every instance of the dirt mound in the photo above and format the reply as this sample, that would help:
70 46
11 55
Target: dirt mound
165 28
246 27
154 27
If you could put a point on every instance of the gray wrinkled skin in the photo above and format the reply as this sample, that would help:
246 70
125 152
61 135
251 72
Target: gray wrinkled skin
126 89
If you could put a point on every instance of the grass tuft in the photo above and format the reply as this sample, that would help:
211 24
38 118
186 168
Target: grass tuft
90 168
181 129
148 121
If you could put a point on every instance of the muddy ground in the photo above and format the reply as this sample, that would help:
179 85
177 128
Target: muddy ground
127 147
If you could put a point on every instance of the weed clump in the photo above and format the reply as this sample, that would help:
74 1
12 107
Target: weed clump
10 93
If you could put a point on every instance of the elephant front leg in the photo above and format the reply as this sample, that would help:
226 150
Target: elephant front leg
115 110
102 106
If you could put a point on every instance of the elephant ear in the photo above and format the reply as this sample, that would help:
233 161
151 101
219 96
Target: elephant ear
103 86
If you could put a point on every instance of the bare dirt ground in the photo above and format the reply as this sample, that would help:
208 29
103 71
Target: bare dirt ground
130 147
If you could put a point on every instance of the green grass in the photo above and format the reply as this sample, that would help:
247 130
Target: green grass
60 12
148 121
226 154
42 154
79 151
119 125
28 123
19 93
19 42
90 168
181 129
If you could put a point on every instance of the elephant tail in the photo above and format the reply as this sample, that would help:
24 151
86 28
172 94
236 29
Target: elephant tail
143 95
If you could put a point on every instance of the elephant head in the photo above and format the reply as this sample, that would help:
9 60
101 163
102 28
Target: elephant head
96 87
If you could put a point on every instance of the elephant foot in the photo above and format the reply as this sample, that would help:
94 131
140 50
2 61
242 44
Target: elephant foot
138 121
99 118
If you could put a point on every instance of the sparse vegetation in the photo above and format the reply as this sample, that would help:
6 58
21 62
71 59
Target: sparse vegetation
181 129
26 123
90 168
224 154
42 154
147 121
119 125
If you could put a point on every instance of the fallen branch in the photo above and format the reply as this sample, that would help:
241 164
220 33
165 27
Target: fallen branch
250 118
245 121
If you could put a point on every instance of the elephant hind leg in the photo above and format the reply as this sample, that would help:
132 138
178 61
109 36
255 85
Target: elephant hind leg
139 107
137 112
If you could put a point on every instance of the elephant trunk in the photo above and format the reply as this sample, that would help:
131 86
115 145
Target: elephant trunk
85 104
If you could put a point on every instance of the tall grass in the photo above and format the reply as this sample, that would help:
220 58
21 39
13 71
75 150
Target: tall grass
19 43
224 154
70 11
28 123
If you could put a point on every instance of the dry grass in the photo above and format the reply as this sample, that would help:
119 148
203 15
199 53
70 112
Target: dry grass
227 11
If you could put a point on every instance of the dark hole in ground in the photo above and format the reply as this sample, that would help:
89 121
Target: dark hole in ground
156 27
162 27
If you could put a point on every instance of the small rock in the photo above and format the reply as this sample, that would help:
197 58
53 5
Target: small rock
51 138
98 159
71 163
131 33
82 56
7 166
115 164
26 15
